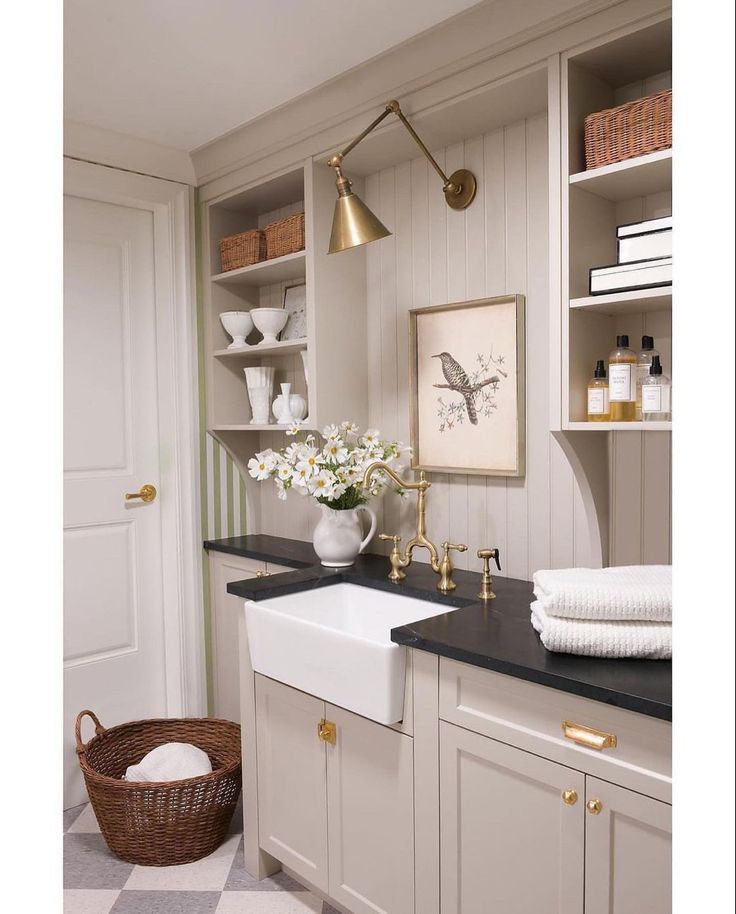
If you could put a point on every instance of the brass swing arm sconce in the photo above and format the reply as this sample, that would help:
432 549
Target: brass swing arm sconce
353 223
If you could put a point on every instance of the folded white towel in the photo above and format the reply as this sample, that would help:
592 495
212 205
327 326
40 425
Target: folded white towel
630 592
170 762
650 640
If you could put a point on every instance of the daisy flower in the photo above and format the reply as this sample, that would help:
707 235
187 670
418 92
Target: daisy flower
322 484
335 451
330 432
260 466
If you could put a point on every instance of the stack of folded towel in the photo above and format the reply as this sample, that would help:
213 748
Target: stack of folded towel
605 612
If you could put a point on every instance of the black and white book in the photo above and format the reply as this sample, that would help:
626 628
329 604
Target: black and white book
641 228
647 246
629 277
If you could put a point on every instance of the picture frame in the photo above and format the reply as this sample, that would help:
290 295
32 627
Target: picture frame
468 387
295 303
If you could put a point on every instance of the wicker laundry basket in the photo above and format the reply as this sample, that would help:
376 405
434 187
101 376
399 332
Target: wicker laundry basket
285 236
161 824
242 250
630 130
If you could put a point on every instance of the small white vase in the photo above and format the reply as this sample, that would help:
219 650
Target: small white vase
298 406
282 406
338 537
260 402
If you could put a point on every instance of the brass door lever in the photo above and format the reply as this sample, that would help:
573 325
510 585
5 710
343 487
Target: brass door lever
146 493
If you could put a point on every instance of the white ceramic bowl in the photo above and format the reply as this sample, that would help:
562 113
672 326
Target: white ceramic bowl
238 324
270 321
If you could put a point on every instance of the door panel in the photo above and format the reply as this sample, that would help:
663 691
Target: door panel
371 814
509 844
628 852
114 659
292 790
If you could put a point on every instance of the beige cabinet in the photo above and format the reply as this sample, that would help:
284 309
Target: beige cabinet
292 790
509 842
224 610
628 851
370 803
338 813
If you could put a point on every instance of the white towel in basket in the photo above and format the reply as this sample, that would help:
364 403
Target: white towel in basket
641 593
648 640
170 762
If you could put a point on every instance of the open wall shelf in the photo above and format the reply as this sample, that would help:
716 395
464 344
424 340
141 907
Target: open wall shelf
603 73
335 293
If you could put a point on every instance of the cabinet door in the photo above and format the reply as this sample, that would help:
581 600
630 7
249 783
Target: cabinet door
371 814
628 852
509 843
224 610
292 797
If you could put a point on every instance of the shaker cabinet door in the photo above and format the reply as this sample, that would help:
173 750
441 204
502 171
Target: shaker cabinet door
371 814
628 851
510 843
292 796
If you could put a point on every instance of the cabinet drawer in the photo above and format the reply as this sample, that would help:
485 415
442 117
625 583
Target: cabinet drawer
531 717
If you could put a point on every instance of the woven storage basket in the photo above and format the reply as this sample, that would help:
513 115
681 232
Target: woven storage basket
242 250
630 130
161 824
285 236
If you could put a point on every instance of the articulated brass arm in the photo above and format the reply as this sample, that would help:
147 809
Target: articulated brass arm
459 188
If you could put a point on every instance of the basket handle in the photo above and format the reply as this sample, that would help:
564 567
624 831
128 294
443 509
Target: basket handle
99 729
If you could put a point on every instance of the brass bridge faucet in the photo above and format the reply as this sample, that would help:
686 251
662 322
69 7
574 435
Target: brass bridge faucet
399 561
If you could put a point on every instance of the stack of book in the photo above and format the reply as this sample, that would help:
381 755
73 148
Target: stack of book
644 259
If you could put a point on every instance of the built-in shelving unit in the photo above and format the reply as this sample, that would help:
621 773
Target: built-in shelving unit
335 297
611 70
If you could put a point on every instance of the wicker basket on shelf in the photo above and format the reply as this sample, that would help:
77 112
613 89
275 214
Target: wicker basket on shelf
285 236
630 130
168 823
242 250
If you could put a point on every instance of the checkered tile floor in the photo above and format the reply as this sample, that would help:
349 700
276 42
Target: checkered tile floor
96 882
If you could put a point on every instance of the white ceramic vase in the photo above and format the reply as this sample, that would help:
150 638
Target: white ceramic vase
282 406
259 381
270 322
338 537
238 324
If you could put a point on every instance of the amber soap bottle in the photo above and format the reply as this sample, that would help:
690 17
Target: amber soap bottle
622 381
598 407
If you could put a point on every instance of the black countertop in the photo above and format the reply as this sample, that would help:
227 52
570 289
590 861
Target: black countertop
497 637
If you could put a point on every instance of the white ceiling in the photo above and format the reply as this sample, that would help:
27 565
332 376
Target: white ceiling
183 72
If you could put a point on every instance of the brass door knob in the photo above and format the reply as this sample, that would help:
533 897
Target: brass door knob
146 493
570 797
594 806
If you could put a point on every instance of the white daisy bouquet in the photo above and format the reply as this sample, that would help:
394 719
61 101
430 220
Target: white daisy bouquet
331 472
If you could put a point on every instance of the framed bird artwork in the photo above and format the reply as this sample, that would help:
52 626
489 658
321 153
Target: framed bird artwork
467 390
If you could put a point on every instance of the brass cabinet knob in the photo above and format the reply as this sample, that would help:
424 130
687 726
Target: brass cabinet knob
146 493
263 574
594 806
570 797
327 731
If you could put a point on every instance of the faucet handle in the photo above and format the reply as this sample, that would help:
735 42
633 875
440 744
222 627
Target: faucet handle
390 536
461 547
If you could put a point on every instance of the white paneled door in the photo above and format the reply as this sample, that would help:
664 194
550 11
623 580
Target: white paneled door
114 552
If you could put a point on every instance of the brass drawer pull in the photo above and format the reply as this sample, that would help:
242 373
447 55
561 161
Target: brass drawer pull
327 731
588 736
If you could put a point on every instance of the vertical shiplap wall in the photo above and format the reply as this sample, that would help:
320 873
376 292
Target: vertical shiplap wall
435 255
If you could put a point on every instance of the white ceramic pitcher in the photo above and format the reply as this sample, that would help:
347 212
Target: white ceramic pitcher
338 537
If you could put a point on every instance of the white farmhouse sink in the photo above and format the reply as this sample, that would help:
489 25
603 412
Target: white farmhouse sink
335 642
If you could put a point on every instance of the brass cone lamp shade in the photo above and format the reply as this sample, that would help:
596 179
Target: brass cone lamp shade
353 224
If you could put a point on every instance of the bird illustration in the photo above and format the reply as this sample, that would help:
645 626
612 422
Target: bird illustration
458 380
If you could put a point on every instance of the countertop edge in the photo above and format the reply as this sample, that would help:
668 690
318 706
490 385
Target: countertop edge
406 637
